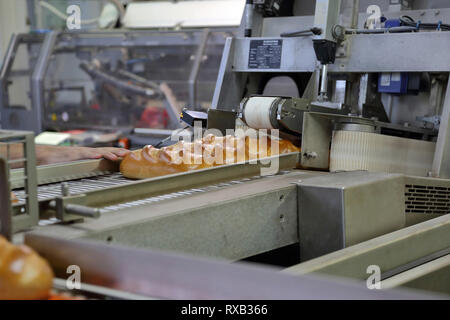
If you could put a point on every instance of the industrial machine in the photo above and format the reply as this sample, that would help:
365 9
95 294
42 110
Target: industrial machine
366 192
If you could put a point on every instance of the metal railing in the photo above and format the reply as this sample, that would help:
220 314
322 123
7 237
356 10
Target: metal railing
14 219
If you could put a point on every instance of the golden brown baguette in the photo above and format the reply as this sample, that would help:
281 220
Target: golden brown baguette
24 275
202 153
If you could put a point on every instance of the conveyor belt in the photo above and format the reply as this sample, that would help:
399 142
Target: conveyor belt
178 194
110 191
52 190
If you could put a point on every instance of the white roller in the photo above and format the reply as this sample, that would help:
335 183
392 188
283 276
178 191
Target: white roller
257 112
353 150
185 14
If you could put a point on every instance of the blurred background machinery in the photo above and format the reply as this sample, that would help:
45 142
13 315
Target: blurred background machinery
136 67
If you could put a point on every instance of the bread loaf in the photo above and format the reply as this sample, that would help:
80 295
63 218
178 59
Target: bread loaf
202 153
24 275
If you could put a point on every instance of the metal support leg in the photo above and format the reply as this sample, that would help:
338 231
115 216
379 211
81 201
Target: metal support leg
4 70
350 13
441 161
323 96
30 183
37 90
230 85
193 77
5 202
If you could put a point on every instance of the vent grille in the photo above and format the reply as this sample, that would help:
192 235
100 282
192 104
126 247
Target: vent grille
427 199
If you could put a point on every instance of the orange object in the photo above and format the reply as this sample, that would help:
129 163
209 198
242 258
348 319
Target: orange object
24 275
154 117
124 143
62 296
203 153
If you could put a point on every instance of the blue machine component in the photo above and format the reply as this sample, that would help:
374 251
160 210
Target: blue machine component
396 82
392 23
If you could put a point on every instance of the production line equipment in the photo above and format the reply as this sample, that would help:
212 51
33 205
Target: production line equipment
109 81
365 190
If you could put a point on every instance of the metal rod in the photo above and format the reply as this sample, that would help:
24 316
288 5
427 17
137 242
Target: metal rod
21 160
324 84
29 152
248 16
350 13
193 77
76 209
37 78
82 211
5 201
441 160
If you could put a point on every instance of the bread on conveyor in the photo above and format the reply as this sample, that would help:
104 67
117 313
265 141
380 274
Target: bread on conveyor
202 153
24 275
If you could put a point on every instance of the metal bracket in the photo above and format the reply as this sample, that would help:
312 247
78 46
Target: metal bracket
316 139
441 161
5 202
317 133
9 113
30 216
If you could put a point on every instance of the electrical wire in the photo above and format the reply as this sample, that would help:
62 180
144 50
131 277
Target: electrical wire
410 22
381 30
407 24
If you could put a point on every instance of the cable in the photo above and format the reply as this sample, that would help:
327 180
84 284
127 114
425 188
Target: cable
407 24
302 33
381 30
408 21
